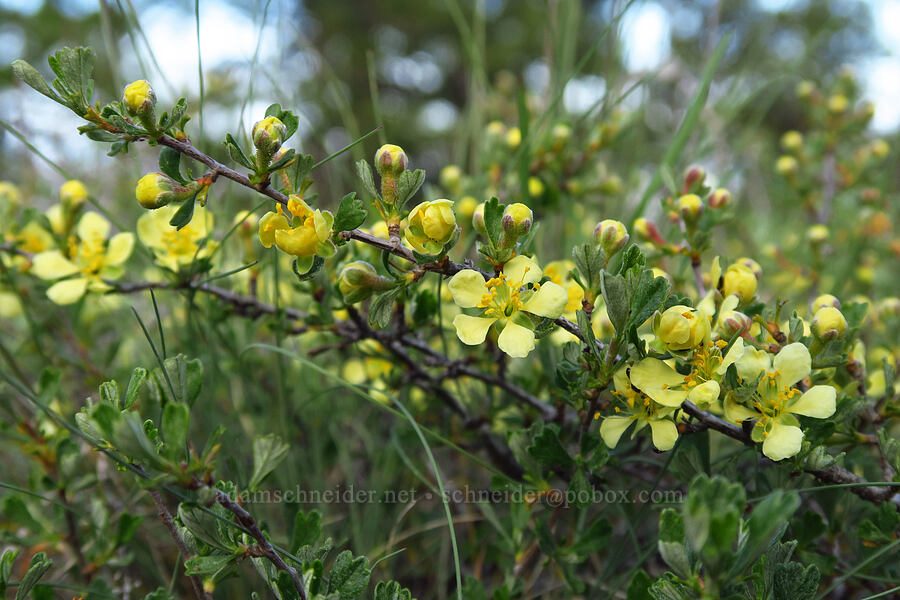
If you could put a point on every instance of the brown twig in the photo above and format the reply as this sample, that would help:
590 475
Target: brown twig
166 517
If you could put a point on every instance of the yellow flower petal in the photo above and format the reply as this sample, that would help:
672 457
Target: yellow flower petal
152 225
521 268
752 362
793 363
92 225
301 241
68 291
516 340
549 301
817 402
467 288
472 330
732 356
664 433
782 442
56 218
704 394
119 248
53 265
659 381
9 305
612 428
737 413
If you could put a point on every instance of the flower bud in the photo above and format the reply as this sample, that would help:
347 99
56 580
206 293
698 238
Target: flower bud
734 322
828 323
610 235
495 130
10 193
681 328
647 231
825 300
466 206
451 178
694 177
513 138
720 198
740 281
390 160
751 264
792 141
889 306
358 280
268 135
73 194
561 134
786 165
817 234
535 187
705 394
478 220
691 207
880 148
837 104
154 190
805 89
517 219
432 224
139 98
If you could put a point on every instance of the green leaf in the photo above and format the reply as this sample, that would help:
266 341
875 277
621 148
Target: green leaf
349 576
408 184
615 294
186 377
548 450
381 311
184 214
169 120
580 490
793 582
351 214
307 529
391 590
38 567
593 539
206 565
648 297
170 164
712 518
584 324
290 120
268 452
6 563
672 542
589 260
204 527
75 70
175 423
639 588
285 158
298 171
364 172
235 152
493 216
312 265
766 524
138 376
30 76
109 393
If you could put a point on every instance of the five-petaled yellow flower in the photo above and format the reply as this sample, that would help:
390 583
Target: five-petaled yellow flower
89 262
633 406
173 247
777 400
301 231
507 298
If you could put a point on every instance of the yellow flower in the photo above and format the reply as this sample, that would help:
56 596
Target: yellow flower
776 400
632 406
390 160
682 328
559 273
154 190
34 239
786 165
301 232
268 135
514 137
89 261
505 299
73 193
139 97
432 224
690 206
610 235
467 206
739 280
10 193
828 323
173 247
535 187
451 179
792 140
661 382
